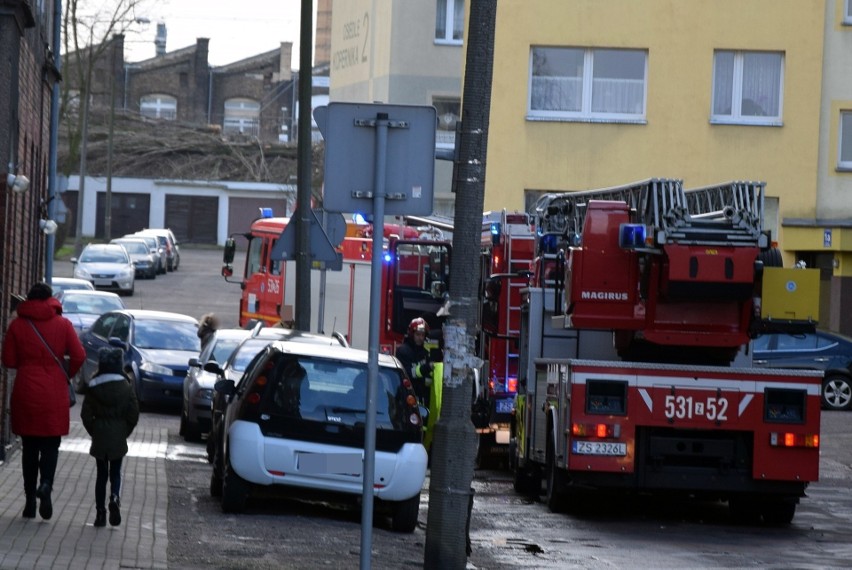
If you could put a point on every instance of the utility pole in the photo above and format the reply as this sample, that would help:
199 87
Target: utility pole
108 194
454 444
303 194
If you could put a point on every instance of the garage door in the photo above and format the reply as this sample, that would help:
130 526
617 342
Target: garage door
130 213
193 219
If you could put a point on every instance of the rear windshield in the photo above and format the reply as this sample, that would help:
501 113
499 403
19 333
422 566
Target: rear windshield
332 391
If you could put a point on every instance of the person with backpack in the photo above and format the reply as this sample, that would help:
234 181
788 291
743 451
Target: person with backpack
110 413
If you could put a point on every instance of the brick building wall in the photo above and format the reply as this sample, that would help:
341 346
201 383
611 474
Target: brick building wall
25 99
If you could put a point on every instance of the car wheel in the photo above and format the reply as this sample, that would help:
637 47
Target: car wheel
234 490
215 484
836 392
192 433
404 514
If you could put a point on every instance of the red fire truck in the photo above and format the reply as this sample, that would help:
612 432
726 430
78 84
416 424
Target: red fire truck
507 249
634 365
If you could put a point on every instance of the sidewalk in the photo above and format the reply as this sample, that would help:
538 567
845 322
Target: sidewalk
68 539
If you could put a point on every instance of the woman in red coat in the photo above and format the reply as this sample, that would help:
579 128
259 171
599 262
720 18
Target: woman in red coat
39 407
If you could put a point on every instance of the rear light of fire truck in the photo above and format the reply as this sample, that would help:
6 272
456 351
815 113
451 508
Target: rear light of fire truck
781 439
509 386
596 430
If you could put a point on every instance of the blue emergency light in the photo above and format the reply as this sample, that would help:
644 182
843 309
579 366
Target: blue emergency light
631 236
495 233
265 212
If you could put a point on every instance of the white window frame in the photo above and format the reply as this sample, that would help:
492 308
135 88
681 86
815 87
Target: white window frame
242 115
844 141
736 117
446 137
449 20
163 106
586 114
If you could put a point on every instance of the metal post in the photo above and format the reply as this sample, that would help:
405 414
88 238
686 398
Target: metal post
108 194
373 357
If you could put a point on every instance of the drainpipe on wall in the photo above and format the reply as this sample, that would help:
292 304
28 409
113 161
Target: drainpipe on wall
52 193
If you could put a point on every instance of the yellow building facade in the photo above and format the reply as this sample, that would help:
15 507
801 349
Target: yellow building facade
589 94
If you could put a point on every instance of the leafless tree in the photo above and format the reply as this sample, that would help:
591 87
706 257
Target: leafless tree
87 29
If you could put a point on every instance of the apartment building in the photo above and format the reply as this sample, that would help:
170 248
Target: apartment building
597 94
402 53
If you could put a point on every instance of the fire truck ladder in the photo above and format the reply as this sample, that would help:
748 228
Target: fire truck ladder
511 230
724 214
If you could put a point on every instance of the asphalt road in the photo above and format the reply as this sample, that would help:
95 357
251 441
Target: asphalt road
507 530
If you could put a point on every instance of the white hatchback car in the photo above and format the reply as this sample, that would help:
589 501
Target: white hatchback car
297 419
107 266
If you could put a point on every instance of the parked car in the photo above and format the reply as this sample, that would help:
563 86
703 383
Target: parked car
169 242
158 345
822 350
140 255
83 307
297 422
59 284
107 266
233 369
157 251
196 411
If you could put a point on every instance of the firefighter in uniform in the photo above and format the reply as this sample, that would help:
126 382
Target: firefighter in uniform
415 358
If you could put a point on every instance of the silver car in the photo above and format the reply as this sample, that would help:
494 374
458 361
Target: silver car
196 411
107 266
140 255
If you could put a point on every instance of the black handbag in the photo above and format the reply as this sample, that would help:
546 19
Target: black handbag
72 393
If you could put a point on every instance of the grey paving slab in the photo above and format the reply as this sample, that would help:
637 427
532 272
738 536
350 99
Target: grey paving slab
68 540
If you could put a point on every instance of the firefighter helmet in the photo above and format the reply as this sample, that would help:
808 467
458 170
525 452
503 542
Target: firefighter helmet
418 325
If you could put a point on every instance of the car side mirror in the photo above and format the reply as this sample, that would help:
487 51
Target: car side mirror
226 387
210 366
194 363
117 342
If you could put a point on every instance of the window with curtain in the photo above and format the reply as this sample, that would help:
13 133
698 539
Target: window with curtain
449 21
845 145
241 116
588 84
747 87
157 106
449 110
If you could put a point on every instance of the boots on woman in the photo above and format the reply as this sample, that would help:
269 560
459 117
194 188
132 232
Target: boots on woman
30 507
114 510
45 507
100 516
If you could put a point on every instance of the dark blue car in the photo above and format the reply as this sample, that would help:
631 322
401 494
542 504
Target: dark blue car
829 352
159 345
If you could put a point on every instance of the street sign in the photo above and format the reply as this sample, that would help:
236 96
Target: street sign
322 244
351 160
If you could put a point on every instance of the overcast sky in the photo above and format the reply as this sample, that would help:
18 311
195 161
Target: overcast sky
236 29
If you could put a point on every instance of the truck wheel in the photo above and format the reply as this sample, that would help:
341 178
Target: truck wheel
836 392
744 510
234 490
779 512
404 514
555 494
